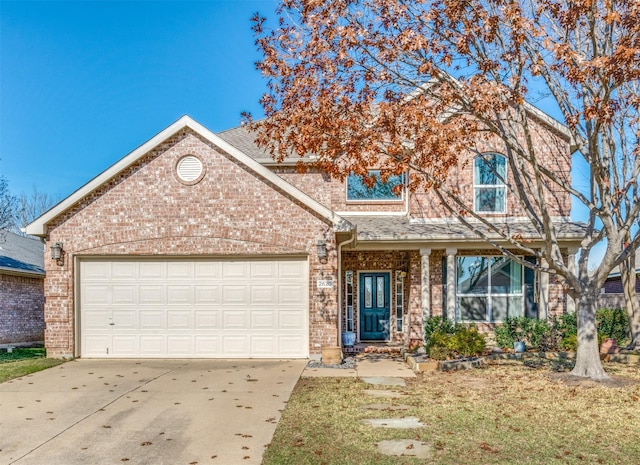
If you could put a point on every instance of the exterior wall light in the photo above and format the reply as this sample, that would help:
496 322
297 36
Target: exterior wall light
322 249
57 253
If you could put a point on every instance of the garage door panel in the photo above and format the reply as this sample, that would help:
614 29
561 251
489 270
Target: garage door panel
235 295
235 346
151 319
265 319
207 346
235 270
179 319
263 346
264 270
179 295
264 294
207 295
292 294
207 270
179 270
123 270
96 319
123 295
152 345
96 271
95 295
207 319
235 319
180 345
151 270
289 346
151 295
194 308
291 320
125 346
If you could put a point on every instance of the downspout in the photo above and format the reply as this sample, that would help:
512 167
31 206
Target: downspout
354 235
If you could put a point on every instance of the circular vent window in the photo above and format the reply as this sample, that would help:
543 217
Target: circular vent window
189 169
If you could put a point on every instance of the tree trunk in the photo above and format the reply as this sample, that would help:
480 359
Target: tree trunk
628 276
588 362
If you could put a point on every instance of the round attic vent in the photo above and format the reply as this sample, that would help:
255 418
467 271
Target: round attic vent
189 169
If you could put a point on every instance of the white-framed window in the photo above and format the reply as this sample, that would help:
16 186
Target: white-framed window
489 187
357 190
399 290
348 295
488 288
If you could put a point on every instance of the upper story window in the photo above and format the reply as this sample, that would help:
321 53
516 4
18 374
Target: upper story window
489 189
357 190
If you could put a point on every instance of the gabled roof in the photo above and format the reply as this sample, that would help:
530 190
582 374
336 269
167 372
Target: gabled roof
39 226
21 255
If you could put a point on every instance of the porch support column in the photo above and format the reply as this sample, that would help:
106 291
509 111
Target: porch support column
451 283
571 264
425 285
543 296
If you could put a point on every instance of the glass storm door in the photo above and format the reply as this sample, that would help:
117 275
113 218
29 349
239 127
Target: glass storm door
374 306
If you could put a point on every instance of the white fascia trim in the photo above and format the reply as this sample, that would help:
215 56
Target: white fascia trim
38 227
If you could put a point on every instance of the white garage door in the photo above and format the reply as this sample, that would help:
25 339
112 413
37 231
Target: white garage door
194 308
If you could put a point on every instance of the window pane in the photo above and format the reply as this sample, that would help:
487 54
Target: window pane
506 276
473 275
490 169
473 308
380 289
357 190
503 307
490 199
368 292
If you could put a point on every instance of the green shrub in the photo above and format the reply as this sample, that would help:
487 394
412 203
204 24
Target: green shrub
612 322
467 341
567 327
535 333
445 340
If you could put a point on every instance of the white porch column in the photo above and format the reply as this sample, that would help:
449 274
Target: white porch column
425 284
451 284
571 264
543 296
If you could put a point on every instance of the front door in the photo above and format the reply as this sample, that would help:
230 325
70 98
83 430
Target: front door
374 306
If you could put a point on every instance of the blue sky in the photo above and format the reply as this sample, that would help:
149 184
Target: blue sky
84 83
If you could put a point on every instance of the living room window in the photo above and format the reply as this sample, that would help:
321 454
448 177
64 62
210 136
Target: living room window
358 190
489 174
489 289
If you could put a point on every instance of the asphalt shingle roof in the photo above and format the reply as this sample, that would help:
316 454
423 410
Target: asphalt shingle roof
243 140
401 228
21 254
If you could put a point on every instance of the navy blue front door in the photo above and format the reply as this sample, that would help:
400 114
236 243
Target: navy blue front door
374 306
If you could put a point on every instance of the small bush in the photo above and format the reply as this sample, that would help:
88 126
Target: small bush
612 322
445 340
535 333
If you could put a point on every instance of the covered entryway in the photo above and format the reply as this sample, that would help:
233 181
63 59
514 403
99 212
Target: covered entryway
181 308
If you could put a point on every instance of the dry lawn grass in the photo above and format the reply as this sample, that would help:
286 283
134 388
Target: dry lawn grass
507 413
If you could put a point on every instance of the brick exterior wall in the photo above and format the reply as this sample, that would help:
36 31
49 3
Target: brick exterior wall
21 309
146 210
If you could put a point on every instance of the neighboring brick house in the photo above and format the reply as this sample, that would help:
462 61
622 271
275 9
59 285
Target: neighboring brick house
612 294
199 245
21 289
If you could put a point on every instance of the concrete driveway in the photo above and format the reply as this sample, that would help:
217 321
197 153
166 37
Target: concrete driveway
145 412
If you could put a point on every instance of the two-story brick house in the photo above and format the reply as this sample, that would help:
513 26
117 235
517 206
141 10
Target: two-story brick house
199 245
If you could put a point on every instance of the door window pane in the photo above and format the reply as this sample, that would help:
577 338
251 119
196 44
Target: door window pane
368 292
380 289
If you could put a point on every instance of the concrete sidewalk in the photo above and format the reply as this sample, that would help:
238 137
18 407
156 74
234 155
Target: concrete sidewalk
367 366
